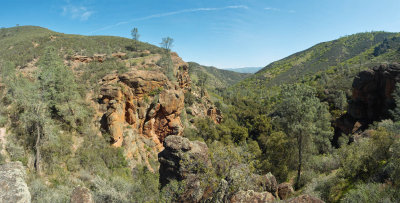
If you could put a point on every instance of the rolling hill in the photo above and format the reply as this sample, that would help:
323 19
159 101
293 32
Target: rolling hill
339 60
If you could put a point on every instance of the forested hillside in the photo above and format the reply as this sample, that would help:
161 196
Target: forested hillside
336 61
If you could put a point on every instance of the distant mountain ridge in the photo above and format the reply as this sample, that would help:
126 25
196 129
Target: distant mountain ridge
245 69
217 78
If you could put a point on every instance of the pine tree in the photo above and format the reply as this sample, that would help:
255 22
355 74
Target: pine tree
60 89
135 36
305 120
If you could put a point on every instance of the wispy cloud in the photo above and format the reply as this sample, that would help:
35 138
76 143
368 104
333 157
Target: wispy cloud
279 10
160 15
77 12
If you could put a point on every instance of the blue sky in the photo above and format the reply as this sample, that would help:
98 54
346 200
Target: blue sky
221 33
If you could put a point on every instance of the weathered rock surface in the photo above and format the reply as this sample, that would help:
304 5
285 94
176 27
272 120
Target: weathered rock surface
81 195
184 78
270 184
13 187
88 59
372 92
285 190
215 114
118 55
251 196
144 100
139 109
305 199
371 99
182 158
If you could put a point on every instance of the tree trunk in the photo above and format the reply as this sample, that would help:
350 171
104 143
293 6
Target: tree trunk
135 45
37 148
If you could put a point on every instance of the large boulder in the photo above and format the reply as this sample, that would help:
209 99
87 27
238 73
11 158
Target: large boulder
270 184
285 190
13 187
182 158
251 196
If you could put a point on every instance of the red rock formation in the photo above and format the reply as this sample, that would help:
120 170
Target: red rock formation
183 77
129 100
82 59
87 59
118 55
215 114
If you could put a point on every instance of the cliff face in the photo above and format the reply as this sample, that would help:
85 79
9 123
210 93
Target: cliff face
143 100
138 109
371 99
372 92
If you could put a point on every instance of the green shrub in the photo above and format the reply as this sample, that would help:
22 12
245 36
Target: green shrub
3 120
189 98
369 192
324 163
16 152
2 158
44 194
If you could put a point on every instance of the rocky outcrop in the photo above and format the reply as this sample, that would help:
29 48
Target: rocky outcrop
81 195
183 77
182 158
305 199
251 196
372 93
13 187
138 109
145 101
270 184
118 55
141 107
371 98
215 114
285 190
88 59
187 161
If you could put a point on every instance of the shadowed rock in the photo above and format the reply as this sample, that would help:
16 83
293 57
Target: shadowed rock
285 190
182 158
